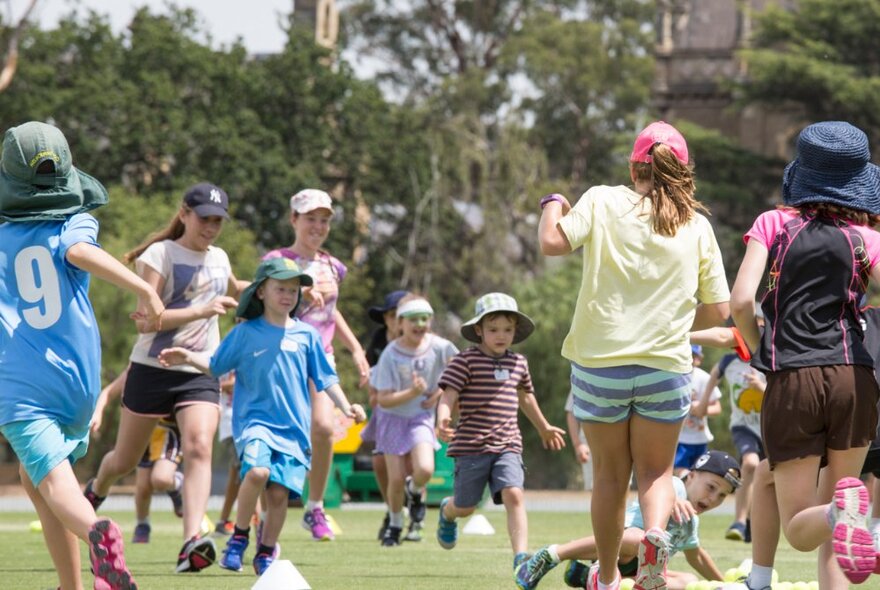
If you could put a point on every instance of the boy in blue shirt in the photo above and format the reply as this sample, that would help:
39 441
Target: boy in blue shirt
50 347
273 355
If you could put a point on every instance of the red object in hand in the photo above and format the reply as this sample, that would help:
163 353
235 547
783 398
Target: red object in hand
741 348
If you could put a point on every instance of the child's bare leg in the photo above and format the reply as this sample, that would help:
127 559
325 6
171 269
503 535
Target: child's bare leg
451 512
198 425
422 457
61 492
62 544
765 524
322 444
132 438
396 476
163 475
276 513
679 580
381 473
653 446
143 493
612 464
829 573
743 497
583 548
252 485
232 484
517 521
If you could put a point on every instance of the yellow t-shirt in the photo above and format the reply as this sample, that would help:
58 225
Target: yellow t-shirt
639 289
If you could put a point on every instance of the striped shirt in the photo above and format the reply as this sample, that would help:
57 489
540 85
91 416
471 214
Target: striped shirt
488 401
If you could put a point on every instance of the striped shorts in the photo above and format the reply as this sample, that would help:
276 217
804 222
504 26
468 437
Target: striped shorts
611 394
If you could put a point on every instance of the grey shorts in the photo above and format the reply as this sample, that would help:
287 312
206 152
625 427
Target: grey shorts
473 472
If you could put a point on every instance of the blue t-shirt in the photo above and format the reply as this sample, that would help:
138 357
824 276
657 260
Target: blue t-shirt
682 536
272 367
50 347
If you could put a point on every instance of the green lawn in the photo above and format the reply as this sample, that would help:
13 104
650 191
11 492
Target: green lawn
355 560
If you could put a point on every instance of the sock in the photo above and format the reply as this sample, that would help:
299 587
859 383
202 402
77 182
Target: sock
552 550
178 482
242 532
759 577
413 490
612 586
312 504
875 526
145 521
396 519
266 549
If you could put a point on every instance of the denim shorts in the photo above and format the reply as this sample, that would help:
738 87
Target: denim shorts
473 472
42 444
284 470
612 394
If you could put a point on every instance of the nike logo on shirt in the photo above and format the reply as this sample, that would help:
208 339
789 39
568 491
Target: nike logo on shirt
259 352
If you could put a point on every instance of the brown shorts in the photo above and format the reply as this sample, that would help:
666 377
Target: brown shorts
810 409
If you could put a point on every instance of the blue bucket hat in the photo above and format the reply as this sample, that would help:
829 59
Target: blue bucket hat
833 165
30 192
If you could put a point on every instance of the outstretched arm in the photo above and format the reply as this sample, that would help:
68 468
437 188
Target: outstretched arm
346 335
448 399
111 391
171 357
700 560
742 297
551 238
353 411
701 407
99 263
581 449
552 437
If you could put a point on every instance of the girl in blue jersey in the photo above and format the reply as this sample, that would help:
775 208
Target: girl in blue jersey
274 356
195 281
820 404
51 349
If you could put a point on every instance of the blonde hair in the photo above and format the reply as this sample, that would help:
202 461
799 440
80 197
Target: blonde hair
854 216
672 190
172 231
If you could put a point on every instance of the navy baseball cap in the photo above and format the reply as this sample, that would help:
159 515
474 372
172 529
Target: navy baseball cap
207 199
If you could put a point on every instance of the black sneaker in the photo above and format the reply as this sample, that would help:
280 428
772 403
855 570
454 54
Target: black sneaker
94 499
384 527
415 503
196 554
747 535
392 537
177 502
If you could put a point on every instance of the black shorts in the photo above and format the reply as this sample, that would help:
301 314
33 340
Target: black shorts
747 441
151 391
872 462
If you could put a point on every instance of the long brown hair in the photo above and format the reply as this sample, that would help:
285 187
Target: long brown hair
172 231
672 190
832 210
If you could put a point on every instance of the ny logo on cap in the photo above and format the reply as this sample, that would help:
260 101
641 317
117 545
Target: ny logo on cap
215 196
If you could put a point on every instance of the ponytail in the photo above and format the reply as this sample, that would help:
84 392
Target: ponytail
172 231
672 190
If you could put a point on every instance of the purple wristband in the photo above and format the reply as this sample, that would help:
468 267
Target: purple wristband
550 198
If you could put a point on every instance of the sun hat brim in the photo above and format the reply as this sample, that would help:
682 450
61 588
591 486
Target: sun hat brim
250 306
802 185
77 192
524 326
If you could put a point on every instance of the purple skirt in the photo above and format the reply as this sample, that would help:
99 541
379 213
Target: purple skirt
397 435
368 434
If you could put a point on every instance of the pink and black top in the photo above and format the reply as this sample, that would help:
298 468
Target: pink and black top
818 272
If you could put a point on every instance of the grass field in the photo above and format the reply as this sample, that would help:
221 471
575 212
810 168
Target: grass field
355 559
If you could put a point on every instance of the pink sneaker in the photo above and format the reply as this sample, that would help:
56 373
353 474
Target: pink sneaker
852 542
315 521
108 561
653 557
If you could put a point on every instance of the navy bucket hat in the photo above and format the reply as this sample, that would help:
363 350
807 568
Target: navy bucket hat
833 165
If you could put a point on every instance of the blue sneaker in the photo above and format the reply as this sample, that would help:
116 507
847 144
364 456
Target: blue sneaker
736 532
575 575
530 572
447 530
519 558
235 548
262 561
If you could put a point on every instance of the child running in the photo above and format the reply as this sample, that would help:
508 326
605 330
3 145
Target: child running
406 381
714 476
652 272
51 359
195 280
821 398
274 357
487 384
693 442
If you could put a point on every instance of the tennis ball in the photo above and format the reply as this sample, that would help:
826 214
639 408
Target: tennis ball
813 585
206 527
627 584
36 526
774 577
800 586
693 586
732 575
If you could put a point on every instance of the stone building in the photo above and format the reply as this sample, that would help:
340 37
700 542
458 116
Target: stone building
697 54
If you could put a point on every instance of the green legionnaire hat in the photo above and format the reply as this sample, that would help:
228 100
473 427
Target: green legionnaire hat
497 303
250 306
25 194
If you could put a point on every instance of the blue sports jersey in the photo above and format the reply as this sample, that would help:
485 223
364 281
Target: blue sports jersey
50 348
272 367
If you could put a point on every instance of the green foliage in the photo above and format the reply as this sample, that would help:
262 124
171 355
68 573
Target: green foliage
821 56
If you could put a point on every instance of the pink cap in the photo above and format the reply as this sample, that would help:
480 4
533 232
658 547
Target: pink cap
659 132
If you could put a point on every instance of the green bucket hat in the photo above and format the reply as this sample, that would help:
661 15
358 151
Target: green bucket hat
250 306
26 195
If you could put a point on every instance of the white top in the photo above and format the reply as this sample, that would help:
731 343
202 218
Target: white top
191 278
695 431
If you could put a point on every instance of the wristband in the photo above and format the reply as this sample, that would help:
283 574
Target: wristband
550 198
741 348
